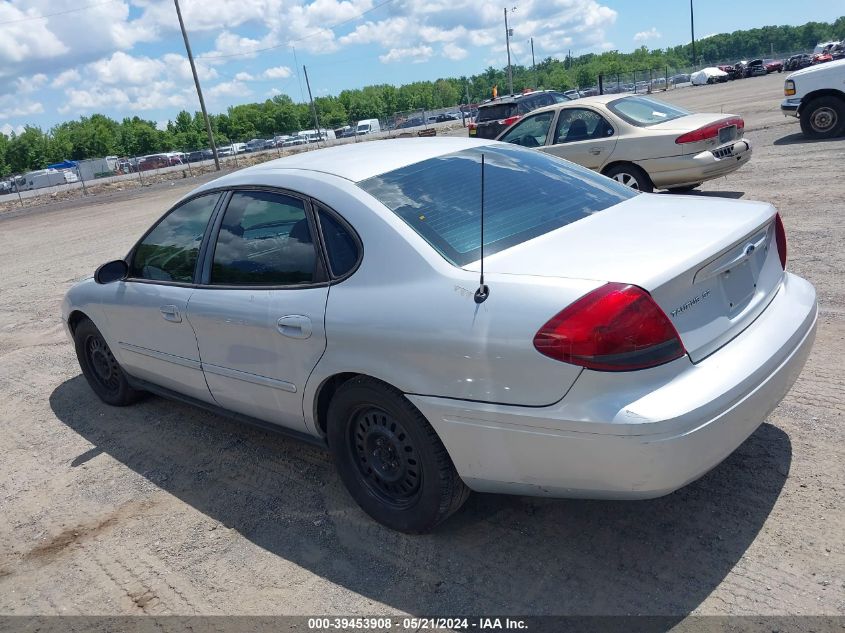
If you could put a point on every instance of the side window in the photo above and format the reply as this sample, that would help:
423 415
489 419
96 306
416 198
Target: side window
528 104
579 124
340 245
264 240
531 131
169 252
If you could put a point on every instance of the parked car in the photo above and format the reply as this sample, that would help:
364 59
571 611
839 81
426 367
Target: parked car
775 65
729 70
200 155
411 122
816 95
255 145
496 115
821 58
367 126
445 118
607 352
641 142
226 150
156 161
755 68
797 62
295 140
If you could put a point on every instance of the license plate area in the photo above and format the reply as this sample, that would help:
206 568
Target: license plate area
727 134
738 285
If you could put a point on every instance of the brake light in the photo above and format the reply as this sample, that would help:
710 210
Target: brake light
472 126
780 239
710 131
511 120
617 327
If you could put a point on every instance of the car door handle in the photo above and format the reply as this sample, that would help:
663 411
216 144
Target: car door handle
595 151
295 326
171 313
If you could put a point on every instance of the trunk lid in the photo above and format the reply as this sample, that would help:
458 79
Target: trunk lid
710 264
727 135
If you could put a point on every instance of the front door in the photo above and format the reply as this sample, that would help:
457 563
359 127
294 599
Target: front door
260 314
147 313
584 137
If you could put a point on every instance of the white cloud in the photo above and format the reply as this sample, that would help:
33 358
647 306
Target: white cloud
123 69
16 109
277 72
8 129
644 36
229 89
453 51
65 78
273 92
244 77
416 55
27 85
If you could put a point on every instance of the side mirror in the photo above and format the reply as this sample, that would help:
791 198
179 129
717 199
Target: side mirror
111 271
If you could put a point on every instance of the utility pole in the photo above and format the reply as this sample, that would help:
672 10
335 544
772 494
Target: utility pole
508 46
692 31
313 105
197 84
533 63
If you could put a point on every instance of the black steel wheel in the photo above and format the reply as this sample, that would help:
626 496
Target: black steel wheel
823 117
390 458
99 366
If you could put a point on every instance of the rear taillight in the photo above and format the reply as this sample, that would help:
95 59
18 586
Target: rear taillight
511 120
617 327
472 126
780 239
710 131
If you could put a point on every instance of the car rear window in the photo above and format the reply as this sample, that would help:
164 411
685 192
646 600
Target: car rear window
526 194
642 111
496 112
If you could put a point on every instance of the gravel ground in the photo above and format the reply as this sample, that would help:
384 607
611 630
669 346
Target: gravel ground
164 509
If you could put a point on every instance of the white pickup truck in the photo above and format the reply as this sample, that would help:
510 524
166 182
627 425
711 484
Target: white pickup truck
816 95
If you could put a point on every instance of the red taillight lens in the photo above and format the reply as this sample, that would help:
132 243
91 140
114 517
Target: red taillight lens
617 327
511 120
780 239
709 131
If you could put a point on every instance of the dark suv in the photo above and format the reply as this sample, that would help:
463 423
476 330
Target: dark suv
499 114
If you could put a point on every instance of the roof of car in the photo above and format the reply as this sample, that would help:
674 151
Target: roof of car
359 161
512 98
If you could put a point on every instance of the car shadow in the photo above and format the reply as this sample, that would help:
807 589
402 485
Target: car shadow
799 139
498 555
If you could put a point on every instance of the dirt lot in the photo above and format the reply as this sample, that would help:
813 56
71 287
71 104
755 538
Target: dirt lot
163 509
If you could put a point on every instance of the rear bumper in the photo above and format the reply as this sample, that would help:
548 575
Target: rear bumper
639 434
678 171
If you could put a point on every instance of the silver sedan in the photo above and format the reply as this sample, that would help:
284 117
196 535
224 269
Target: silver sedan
602 343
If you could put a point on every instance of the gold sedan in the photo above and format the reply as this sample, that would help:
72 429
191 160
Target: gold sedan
639 141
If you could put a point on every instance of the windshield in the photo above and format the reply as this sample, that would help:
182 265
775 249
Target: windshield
526 194
642 111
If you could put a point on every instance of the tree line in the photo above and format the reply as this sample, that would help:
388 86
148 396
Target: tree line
99 135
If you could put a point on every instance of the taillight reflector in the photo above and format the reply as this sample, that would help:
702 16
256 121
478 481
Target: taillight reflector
511 120
617 327
780 239
710 131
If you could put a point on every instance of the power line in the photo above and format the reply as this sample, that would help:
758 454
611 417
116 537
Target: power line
50 15
304 37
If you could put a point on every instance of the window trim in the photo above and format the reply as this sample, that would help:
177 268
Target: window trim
321 268
184 284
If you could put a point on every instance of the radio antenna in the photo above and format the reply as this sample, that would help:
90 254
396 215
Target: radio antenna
483 291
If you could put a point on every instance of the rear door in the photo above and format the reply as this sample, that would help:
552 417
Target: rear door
583 136
259 314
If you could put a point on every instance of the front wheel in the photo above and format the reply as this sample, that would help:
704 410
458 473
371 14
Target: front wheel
631 176
390 459
823 117
100 367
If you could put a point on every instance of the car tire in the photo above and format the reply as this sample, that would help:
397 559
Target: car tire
684 189
823 117
390 458
631 176
100 368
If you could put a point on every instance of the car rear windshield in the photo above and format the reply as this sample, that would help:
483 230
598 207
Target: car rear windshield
526 194
496 112
642 111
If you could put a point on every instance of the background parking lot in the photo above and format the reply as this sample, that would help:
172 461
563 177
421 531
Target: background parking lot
164 509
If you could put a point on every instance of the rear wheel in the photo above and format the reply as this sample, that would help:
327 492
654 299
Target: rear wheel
823 117
100 367
390 459
631 176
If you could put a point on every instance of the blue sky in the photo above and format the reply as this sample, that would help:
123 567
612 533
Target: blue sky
60 61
